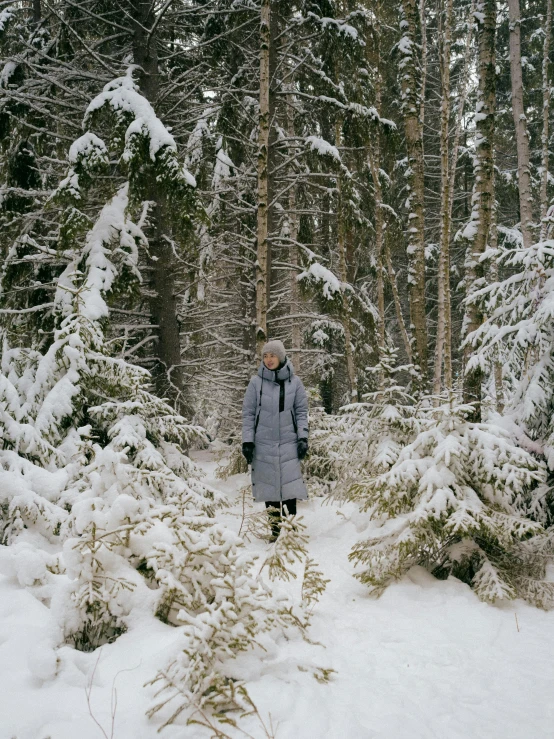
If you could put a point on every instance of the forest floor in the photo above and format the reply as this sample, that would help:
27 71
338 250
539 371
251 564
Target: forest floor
425 661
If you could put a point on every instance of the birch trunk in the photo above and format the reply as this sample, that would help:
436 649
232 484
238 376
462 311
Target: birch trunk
262 286
545 117
163 304
443 323
520 122
411 111
483 190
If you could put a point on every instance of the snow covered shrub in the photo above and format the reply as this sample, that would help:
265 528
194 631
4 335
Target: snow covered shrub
224 611
321 466
362 438
519 332
459 499
134 526
254 524
224 607
235 465
291 548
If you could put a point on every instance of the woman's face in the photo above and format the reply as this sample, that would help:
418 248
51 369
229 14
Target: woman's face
271 361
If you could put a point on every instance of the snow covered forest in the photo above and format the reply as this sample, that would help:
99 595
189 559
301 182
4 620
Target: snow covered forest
369 182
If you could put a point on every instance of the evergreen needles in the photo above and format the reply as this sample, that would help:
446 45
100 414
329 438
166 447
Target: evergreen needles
461 499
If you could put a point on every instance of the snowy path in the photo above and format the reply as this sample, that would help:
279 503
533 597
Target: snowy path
425 661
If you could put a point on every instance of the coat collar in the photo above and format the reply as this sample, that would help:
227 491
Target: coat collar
285 373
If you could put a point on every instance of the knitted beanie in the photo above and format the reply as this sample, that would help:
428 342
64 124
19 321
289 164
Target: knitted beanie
275 347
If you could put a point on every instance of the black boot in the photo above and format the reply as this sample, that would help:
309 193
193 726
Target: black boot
274 515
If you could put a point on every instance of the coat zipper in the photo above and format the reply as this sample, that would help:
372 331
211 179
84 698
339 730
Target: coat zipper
281 396
294 422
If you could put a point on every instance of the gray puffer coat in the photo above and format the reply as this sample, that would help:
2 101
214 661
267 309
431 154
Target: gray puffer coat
274 417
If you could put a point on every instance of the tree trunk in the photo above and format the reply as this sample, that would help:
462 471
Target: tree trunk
374 157
379 262
293 248
343 273
294 289
498 378
398 305
262 272
37 12
169 374
411 111
423 26
276 22
545 117
443 323
483 189
520 122
462 98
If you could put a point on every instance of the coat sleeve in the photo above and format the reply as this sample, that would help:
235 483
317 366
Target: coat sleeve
249 407
301 410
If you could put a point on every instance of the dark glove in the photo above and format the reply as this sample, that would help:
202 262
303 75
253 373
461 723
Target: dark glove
302 448
248 451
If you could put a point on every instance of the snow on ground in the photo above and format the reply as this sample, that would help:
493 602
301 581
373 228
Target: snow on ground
425 661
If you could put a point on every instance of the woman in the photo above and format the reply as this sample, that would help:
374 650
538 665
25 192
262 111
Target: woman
275 433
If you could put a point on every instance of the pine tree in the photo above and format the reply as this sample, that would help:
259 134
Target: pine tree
518 330
460 499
